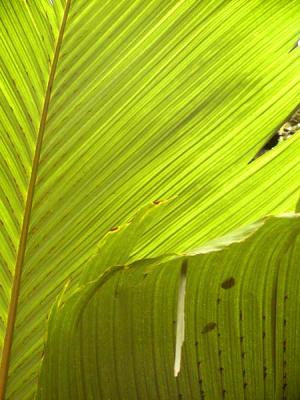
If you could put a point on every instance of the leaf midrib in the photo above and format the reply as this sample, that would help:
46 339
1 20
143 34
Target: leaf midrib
12 311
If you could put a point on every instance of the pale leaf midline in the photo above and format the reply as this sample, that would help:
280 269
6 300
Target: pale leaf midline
180 324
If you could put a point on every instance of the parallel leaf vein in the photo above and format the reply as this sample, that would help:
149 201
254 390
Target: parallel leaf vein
12 312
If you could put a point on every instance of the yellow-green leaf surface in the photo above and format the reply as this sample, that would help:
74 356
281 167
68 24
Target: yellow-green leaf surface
107 105
115 337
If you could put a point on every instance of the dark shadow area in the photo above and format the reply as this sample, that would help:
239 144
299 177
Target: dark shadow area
288 128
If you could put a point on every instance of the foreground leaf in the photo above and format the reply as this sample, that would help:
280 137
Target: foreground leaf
107 105
115 337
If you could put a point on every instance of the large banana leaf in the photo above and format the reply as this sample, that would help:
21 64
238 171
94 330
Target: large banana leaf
115 337
109 104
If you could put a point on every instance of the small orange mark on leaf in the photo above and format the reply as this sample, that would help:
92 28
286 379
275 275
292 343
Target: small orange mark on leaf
156 201
209 327
228 283
114 228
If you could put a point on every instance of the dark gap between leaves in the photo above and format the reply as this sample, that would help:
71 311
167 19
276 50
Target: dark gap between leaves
284 132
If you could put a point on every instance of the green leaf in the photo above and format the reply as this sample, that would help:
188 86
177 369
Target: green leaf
115 337
109 105
298 206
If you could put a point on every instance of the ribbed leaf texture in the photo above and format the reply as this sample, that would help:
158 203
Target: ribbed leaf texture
109 105
115 337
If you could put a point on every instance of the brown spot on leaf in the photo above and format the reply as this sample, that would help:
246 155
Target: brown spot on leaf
284 345
114 228
209 327
156 202
228 283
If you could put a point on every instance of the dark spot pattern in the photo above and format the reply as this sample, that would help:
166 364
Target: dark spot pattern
228 283
209 327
